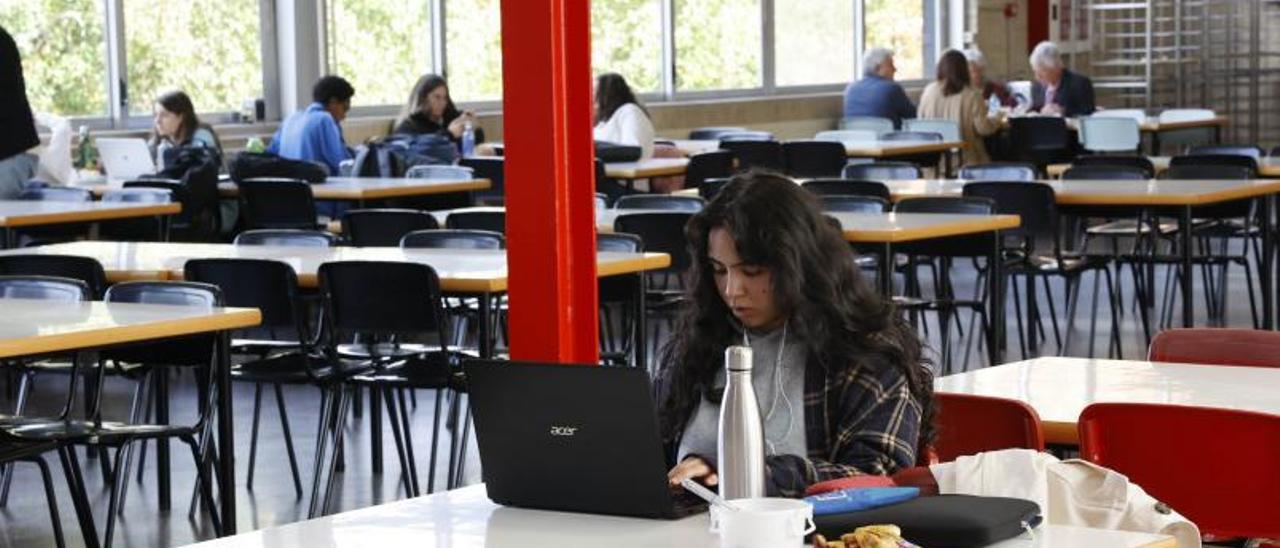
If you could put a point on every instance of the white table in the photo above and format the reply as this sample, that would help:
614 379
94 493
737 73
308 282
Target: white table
465 518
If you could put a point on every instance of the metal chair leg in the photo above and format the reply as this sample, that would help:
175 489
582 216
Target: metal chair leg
288 441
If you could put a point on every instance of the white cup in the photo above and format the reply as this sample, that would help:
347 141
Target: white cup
763 523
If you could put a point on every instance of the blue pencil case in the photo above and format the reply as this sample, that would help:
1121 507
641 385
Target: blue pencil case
852 500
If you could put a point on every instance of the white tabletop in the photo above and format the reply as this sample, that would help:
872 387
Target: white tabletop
1060 388
465 518
41 212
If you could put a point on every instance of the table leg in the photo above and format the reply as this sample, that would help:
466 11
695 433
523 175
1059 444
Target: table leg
226 437
486 315
1184 226
1155 143
163 473
640 339
995 304
1267 278
886 270
1033 317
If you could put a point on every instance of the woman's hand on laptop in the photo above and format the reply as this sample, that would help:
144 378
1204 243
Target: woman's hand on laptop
694 468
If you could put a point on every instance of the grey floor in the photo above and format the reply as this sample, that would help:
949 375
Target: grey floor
25 522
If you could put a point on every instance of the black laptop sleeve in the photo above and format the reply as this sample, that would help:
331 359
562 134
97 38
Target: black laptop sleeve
945 521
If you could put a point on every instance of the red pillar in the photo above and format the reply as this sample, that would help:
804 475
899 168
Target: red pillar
546 73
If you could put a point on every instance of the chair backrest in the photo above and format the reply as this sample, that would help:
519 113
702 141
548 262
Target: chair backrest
710 188
45 288
624 243
713 133
999 171
138 195
285 236
660 232
1185 115
1210 346
848 136
713 164
669 202
1116 173
268 285
1136 114
56 194
193 350
969 424
1154 446
493 169
440 173
1033 202
493 221
1211 166
872 123
894 136
454 239
384 227
1109 134
847 187
948 129
85 269
277 203
849 203
381 298
970 205
882 171
813 158
973 245
1251 151
746 136
1029 133
756 154
1123 160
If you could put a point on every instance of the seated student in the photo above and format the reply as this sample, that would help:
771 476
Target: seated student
1058 91
978 79
842 386
314 134
950 97
876 94
430 109
619 116
176 125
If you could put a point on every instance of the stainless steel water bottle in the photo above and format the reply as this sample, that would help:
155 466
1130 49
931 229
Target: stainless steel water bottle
741 442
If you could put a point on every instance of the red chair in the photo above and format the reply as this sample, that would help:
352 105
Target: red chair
1249 347
1218 467
969 424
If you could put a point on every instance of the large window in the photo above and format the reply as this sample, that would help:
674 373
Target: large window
717 44
209 48
63 50
380 46
899 25
473 49
813 42
626 38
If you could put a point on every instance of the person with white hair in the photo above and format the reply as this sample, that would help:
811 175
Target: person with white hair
876 94
978 79
1058 91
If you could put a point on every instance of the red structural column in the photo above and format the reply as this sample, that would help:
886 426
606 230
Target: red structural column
546 103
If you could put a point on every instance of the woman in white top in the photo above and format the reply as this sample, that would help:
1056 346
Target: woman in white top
619 117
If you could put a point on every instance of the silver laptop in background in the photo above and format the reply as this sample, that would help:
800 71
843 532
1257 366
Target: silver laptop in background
125 158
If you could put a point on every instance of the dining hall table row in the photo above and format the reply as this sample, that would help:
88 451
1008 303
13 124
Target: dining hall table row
1268 166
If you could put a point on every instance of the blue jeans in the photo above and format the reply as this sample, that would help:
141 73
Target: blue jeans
14 171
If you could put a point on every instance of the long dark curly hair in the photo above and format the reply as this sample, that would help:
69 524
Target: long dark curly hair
842 320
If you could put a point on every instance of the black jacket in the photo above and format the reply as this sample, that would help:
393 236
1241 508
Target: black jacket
1074 95
418 124
17 125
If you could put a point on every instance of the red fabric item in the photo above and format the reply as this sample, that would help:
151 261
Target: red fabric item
919 476
1247 347
1218 467
969 425
851 482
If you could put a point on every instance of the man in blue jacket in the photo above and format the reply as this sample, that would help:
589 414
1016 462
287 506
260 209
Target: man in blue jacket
314 134
876 94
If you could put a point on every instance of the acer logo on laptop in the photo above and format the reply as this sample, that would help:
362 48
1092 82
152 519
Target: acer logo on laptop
565 431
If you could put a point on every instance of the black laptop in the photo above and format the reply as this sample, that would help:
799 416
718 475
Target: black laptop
571 437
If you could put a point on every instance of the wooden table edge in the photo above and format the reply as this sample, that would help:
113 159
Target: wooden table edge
881 151
1208 198
398 191
91 215
646 172
227 318
958 228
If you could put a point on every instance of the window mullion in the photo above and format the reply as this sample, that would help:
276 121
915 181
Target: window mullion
436 13
859 37
767 60
117 86
668 49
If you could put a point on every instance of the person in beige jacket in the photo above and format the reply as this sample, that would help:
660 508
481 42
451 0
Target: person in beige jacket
951 97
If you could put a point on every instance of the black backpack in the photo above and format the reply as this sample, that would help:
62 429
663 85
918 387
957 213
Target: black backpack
424 149
378 160
248 165
196 167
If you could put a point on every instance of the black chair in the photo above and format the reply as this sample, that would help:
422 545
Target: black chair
669 202
713 133
617 294
847 187
277 203
1206 162
715 164
1041 140
85 269
882 171
287 237
1107 172
756 154
491 168
999 171
454 239
387 304
53 233
384 227
853 204
493 221
1039 253
710 188
746 136
1251 151
1136 162
662 233
137 230
810 159
201 215
927 159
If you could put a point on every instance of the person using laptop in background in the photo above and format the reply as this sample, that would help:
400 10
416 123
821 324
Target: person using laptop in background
842 385
314 134
176 126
